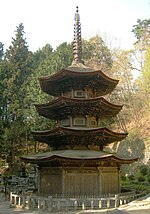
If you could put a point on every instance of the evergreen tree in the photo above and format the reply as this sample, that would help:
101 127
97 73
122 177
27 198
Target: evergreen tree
1 51
46 62
2 99
142 31
17 67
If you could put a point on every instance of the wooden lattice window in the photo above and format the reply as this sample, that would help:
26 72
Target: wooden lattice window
93 123
79 93
79 121
65 122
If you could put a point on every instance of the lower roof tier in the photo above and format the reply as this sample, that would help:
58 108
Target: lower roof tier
62 137
76 157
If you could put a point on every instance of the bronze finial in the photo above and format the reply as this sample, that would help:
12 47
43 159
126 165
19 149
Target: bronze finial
77 43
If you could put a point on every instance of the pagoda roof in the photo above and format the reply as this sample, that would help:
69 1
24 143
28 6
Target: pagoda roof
63 106
77 76
76 155
63 136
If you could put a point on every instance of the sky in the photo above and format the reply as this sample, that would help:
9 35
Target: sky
52 21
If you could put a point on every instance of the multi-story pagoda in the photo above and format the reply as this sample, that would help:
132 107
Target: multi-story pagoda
77 164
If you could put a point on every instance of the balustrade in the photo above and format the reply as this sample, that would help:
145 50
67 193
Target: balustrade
57 203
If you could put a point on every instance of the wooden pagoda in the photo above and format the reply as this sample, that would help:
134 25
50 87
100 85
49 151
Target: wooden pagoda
77 164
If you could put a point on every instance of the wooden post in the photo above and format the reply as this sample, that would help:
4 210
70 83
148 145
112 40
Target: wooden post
121 200
33 203
29 202
92 205
108 201
100 203
83 205
44 204
15 200
75 204
39 205
50 203
58 204
11 201
19 200
67 204
116 201
23 201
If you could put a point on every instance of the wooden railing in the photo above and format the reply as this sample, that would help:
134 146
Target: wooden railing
57 203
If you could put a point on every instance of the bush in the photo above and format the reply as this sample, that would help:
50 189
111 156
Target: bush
131 177
126 189
123 178
148 179
141 178
144 170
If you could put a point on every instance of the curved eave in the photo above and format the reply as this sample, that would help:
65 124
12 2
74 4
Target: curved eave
68 78
75 155
60 135
84 131
98 107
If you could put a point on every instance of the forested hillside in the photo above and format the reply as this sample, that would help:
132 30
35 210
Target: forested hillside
19 90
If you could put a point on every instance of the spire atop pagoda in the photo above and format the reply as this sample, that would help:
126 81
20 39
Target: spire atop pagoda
77 43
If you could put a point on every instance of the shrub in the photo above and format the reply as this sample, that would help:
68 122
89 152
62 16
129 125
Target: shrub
148 179
141 178
123 178
131 177
144 170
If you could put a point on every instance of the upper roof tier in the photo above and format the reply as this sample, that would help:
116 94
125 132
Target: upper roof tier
63 107
77 76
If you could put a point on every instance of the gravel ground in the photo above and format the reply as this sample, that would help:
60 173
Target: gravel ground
140 206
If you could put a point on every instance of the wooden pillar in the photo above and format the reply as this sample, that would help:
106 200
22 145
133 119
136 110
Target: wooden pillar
63 182
86 93
39 181
72 93
70 121
100 179
119 188
88 121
